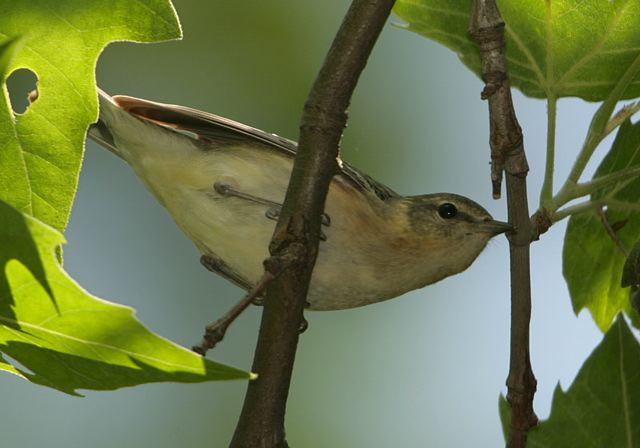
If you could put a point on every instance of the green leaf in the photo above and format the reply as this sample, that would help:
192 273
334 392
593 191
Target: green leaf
14 187
554 48
61 40
601 409
504 411
4 365
592 263
66 339
631 268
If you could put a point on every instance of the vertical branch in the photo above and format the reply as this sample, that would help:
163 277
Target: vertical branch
507 152
295 242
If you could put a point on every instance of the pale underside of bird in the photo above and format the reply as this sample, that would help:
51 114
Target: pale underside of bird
223 183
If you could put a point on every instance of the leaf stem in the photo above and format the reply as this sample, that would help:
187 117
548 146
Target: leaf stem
546 194
623 114
575 209
598 129
599 183
623 205
595 204
571 191
601 125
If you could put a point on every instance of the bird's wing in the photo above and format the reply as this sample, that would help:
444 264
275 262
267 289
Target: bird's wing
216 129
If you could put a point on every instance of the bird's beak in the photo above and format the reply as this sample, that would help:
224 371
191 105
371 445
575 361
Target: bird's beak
496 227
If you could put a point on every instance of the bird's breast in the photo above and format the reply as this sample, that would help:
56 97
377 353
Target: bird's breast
358 262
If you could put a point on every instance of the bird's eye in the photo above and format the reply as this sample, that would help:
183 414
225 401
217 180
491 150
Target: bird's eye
447 210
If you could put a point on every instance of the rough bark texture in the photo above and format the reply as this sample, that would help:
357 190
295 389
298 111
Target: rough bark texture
295 241
507 154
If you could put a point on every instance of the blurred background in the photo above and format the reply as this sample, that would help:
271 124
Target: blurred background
422 370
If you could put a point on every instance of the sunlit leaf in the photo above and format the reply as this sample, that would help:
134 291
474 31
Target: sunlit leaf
60 42
560 48
64 338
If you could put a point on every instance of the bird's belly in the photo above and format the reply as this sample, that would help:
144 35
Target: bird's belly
238 232
241 238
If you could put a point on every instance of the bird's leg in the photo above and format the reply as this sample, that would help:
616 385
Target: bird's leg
273 210
274 213
215 331
227 190
217 265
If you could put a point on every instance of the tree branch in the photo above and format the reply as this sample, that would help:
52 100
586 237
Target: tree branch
507 151
261 422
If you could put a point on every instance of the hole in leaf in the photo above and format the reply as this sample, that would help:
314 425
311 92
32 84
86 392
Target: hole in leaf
22 86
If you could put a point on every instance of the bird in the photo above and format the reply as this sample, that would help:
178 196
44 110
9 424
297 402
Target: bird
223 182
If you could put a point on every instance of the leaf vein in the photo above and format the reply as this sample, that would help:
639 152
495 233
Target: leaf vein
100 345
527 52
625 398
595 49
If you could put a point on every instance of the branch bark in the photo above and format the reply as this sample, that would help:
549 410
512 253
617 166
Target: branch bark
507 153
295 241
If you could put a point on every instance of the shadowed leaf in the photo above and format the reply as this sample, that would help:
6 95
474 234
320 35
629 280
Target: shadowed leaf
592 264
601 409
631 268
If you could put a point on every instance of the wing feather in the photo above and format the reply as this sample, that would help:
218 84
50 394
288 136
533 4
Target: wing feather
220 130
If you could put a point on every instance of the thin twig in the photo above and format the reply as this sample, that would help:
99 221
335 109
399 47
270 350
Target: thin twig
507 149
261 422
